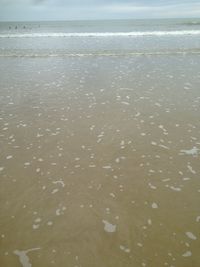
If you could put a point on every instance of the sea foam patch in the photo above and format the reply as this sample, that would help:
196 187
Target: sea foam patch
193 151
187 254
191 235
109 227
23 258
125 249
154 205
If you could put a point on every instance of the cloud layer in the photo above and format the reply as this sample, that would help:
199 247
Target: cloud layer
96 9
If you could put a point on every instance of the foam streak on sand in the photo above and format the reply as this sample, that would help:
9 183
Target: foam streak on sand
109 227
193 151
23 258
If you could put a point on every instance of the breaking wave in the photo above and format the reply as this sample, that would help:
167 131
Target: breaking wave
102 34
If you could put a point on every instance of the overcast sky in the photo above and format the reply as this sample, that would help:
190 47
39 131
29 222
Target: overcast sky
14 10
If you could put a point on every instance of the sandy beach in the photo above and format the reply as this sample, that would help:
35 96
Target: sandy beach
100 161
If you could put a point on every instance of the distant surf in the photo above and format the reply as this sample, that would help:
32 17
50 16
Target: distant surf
102 34
100 54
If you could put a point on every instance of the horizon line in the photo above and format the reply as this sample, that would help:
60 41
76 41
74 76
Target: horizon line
113 19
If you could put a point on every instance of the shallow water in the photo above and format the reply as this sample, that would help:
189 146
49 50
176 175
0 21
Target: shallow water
100 161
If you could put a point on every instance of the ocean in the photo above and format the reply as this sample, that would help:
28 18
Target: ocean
100 143
99 37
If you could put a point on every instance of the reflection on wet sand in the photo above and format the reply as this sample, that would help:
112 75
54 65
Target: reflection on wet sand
100 161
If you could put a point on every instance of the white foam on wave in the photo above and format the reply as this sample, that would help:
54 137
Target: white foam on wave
102 54
101 34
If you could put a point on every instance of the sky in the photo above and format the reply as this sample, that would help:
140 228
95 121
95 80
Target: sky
33 10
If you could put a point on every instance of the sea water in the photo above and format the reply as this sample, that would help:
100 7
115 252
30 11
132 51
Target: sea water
99 37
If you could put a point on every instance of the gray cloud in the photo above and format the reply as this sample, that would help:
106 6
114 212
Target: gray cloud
38 1
91 9
98 2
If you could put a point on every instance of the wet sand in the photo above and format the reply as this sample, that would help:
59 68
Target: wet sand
100 161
